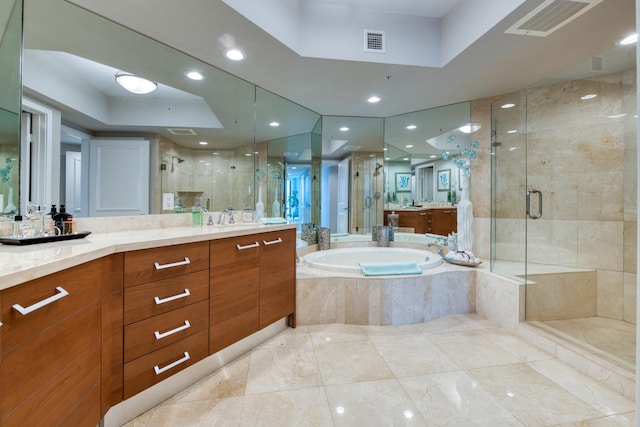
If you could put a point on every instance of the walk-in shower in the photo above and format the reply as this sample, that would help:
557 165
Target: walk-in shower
564 178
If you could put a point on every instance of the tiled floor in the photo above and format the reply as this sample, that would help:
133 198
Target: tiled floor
455 371
614 337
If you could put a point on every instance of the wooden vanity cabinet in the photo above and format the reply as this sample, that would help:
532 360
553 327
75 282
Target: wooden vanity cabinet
445 221
166 313
418 220
252 281
51 352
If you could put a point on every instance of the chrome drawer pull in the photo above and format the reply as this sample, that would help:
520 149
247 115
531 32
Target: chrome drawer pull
253 245
172 365
186 325
185 294
173 264
272 242
24 311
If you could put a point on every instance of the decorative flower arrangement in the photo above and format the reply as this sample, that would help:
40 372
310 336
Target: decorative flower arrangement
276 172
462 160
6 171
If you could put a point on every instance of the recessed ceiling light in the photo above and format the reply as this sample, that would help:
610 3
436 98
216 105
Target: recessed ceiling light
588 96
630 39
373 99
201 161
512 131
508 105
385 149
195 75
216 154
408 146
616 116
247 154
433 156
513 148
469 128
135 84
274 124
235 54
293 167
411 127
406 158
203 143
344 129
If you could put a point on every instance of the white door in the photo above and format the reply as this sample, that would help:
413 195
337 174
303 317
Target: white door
343 196
73 183
118 177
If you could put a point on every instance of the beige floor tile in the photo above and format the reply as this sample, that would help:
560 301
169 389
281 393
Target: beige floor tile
298 408
471 349
337 333
280 369
520 349
376 403
531 397
350 362
585 388
390 331
203 413
228 381
455 399
410 355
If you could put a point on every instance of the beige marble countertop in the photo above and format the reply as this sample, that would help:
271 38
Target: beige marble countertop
420 208
19 264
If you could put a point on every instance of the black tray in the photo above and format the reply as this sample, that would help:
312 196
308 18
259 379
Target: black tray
43 239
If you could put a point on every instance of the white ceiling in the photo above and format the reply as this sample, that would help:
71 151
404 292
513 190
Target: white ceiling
492 63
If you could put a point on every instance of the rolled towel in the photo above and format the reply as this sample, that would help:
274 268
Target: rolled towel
389 269
339 234
275 220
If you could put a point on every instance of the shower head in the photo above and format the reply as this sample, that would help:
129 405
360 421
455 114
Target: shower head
378 165
178 159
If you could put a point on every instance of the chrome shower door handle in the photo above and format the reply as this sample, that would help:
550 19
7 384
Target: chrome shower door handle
539 214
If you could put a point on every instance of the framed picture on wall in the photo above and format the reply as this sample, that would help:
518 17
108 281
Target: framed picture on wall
444 180
403 181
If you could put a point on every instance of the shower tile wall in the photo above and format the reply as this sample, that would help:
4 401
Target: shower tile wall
225 178
584 162
364 184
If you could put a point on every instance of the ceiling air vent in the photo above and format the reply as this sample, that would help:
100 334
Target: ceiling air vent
551 15
596 64
374 41
179 131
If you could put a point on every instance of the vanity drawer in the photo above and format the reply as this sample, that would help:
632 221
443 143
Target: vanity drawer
47 300
156 332
145 371
234 249
278 242
140 301
150 265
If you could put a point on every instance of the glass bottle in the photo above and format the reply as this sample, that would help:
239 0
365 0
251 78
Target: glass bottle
196 213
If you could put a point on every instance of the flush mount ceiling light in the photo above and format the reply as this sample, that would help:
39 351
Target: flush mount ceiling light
135 84
235 54
630 39
469 128
373 99
195 75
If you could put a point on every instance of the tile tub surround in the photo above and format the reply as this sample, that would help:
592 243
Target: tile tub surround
448 372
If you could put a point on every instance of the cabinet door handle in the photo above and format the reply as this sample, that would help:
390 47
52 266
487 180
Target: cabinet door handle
173 264
172 364
272 242
159 335
423 214
185 294
24 311
252 245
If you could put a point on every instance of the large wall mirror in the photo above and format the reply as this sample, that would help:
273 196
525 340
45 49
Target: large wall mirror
10 45
415 168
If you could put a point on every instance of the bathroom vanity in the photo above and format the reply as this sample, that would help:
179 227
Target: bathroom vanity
434 220
87 324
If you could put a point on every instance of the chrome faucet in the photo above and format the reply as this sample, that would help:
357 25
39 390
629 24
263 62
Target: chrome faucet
439 244
222 216
231 220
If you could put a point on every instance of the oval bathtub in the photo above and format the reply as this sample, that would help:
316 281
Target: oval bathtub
347 260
